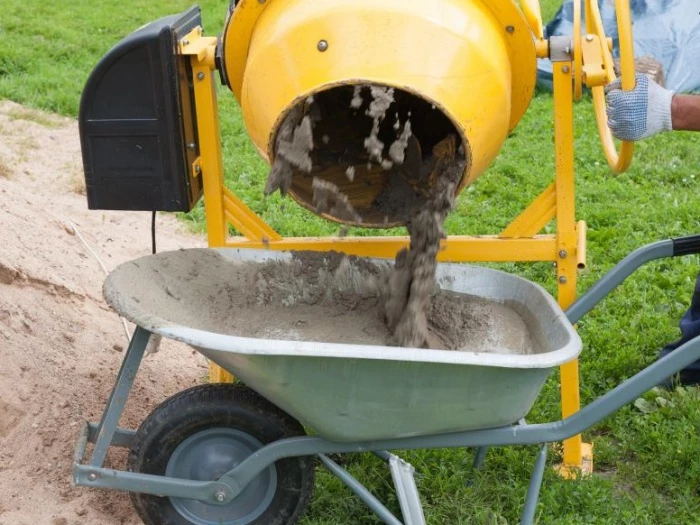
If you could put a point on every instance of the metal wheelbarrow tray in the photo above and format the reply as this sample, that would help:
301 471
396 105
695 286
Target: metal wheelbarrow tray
353 392
357 398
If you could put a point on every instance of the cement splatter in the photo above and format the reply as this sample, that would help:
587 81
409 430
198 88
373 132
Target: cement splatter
297 151
382 99
329 199
398 148
356 102
373 145
292 150
350 173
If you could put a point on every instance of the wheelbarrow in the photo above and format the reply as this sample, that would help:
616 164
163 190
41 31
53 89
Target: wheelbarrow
240 455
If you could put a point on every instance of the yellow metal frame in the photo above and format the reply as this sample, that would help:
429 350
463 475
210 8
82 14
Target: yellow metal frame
520 241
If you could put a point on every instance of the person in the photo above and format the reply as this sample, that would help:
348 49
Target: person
642 113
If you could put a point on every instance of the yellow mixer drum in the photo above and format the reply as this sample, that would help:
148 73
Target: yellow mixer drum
465 68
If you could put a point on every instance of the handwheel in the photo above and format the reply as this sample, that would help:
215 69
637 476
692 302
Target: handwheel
203 432
594 25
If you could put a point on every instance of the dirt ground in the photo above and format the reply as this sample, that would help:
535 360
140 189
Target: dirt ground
60 344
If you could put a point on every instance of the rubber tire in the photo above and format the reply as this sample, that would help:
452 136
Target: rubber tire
220 405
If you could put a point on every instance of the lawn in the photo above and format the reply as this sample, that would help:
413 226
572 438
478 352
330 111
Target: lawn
647 461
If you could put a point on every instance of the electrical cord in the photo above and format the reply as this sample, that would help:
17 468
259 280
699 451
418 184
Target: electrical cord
102 265
154 342
153 233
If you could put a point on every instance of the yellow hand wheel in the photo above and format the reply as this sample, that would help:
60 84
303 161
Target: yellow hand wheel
594 26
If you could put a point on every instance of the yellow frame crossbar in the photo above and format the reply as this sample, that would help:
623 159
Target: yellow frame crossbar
518 242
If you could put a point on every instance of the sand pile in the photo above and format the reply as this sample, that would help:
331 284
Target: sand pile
60 344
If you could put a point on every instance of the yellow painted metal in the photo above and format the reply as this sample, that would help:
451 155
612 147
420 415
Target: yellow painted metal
566 239
457 248
542 210
267 79
619 162
578 472
246 220
542 48
533 15
578 60
479 68
201 47
593 71
209 137
210 159
581 231
219 375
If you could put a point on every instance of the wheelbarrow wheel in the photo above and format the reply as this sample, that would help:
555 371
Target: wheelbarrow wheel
203 432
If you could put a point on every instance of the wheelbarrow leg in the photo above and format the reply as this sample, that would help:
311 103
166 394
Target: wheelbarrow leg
533 491
360 491
480 457
120 393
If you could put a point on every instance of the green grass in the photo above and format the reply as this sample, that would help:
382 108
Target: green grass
647 462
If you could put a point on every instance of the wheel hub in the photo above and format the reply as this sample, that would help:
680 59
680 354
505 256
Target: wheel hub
208 455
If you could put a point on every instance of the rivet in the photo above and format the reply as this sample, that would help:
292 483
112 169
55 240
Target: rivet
589 38
510 29
192 146
200 76
565 69
562 279
198 169
322 45
567 50
92 476
562 254
185 42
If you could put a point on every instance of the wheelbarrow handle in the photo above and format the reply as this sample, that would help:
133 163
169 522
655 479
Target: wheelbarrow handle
686 245
624 269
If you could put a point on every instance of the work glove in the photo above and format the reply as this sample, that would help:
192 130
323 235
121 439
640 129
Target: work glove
640 113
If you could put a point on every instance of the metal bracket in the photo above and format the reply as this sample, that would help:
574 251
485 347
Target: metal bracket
197 166
593 68
560 49
203 47
406 491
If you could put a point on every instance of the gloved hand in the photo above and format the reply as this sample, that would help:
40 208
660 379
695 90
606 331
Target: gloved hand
640 113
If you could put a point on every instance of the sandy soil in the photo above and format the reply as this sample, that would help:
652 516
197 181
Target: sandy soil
60 344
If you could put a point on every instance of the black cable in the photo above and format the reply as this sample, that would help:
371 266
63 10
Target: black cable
153 233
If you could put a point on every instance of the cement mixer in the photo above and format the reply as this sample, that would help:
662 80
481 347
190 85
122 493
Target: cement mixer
465 69
456 84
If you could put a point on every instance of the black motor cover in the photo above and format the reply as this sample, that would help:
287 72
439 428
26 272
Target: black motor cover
137 122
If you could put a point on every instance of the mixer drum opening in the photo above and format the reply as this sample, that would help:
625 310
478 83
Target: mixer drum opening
381 147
